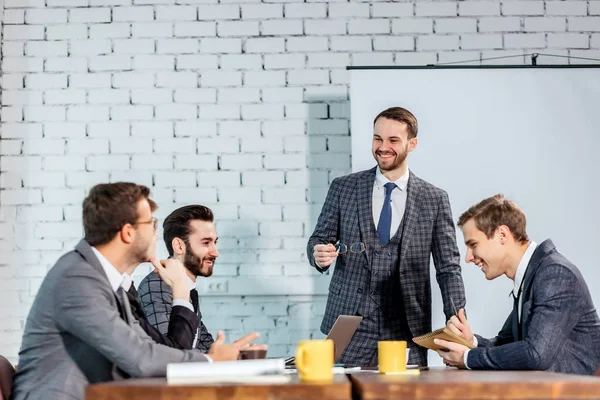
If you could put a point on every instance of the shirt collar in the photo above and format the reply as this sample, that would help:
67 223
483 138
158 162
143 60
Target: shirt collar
127 281
523 267
192 283
115 278
381 180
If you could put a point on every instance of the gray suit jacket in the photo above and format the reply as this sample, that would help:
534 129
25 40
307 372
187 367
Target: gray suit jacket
559 329
75 335
428 230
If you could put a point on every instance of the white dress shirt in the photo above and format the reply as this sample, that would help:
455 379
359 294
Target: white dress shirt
521 269
521 273
115 278
398 199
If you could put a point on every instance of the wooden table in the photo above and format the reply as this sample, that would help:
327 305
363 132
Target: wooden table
157 388
453 384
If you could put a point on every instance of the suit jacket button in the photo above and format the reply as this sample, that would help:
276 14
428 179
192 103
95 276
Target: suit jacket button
359 290
389 253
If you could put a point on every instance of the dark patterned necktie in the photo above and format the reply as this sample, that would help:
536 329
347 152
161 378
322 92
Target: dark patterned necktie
385 218
516 321
194 298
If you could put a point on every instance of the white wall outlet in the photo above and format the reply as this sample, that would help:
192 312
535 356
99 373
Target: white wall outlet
215 286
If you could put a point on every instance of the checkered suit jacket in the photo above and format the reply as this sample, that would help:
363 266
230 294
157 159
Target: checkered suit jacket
429 230
157 301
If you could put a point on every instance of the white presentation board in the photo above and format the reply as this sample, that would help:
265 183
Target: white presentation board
532 134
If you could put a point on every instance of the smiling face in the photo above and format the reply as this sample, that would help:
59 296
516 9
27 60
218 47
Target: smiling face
391 144
201 248
489 254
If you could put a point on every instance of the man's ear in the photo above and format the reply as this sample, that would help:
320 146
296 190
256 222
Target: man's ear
178 246
504 233
127 234
412 144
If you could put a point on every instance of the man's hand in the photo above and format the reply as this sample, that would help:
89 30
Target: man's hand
172 272
460 326
324 254
219 351
454 357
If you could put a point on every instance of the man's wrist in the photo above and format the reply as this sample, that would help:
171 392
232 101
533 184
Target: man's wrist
181 291
465 357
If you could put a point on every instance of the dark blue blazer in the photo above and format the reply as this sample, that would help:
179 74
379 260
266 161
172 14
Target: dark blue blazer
559 329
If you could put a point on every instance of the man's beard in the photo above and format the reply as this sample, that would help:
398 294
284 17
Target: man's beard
194 264
396 162
140 252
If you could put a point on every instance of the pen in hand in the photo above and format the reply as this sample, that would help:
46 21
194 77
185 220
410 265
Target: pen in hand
453 307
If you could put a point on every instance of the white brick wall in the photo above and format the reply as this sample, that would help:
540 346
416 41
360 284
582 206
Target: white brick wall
242 106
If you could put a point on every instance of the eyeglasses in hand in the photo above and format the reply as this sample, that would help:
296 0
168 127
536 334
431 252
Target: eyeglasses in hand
342 248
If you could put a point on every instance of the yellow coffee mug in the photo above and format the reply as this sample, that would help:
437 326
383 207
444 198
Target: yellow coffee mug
314 360
392 356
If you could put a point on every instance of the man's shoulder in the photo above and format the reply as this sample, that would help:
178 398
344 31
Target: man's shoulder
555 267
151 284
71 265
425 186
353 178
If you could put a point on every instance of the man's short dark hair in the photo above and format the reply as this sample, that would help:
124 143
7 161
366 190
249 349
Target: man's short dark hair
401 115
177 224
110 206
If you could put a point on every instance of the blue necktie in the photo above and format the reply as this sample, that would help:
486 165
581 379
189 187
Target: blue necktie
385 219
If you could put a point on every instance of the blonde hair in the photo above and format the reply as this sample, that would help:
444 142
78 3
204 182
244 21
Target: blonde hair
495 211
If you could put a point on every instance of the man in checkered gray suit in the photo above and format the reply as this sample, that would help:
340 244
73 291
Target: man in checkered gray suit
401 221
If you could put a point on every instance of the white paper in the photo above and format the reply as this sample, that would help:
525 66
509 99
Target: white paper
222 371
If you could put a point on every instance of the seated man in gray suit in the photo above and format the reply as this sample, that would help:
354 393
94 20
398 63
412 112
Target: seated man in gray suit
80 329
553 326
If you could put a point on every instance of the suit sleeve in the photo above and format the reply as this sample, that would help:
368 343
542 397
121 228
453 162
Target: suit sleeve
328 225
555 310
157 301
446 258
86 308
182 324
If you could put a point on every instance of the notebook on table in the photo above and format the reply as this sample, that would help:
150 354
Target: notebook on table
444 334
341 333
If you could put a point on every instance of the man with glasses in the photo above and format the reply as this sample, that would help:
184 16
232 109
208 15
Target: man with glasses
390 222
80 329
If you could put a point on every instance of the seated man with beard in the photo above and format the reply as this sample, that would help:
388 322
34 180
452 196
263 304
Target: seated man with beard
190 237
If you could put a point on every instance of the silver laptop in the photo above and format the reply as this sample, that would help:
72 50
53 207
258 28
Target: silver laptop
341 333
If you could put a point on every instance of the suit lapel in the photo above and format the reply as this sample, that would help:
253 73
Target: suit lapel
84 248
411 213
86 252
364 205
537 257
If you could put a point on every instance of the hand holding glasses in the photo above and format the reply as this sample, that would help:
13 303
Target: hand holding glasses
325 254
